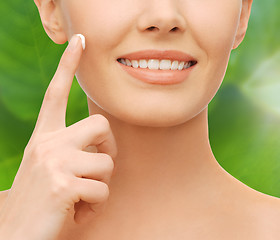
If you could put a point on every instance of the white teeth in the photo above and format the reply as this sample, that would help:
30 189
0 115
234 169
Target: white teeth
156 64
165 65
181 66
175 65
153 64
143 64
135 63
128 63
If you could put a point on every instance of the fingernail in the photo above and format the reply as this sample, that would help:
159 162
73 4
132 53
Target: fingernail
83 40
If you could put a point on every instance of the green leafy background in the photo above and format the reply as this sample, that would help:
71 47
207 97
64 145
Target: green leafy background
244 116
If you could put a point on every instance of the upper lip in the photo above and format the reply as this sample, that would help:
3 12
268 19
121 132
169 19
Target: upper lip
156 54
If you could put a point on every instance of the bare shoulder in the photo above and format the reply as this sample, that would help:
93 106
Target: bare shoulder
257 212
265 210
269 208
3 197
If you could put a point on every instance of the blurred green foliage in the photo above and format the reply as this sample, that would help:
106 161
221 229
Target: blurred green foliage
244 116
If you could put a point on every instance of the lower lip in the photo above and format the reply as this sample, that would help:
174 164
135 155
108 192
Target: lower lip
162 77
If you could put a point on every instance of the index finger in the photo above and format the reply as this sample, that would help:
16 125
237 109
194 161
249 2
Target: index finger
53 110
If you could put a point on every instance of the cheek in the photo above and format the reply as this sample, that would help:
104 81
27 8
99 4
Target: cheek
104 23
214 24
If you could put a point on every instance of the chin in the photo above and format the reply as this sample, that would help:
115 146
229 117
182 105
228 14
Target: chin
160 117
149 112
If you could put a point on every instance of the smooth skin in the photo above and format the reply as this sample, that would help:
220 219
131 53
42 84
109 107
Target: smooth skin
166 183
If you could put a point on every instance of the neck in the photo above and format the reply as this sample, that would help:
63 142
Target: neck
160 160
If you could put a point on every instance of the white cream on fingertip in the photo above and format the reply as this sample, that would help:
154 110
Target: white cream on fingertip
83 40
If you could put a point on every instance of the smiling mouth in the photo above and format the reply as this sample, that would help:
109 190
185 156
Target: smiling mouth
157 64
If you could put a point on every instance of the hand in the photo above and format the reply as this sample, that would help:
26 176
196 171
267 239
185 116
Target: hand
56 173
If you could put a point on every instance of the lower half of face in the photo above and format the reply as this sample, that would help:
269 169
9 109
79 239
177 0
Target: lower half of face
203 29
136 102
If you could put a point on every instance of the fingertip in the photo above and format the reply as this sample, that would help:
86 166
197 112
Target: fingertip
74 42
83 39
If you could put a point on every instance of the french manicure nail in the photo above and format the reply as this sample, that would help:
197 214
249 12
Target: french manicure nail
83 40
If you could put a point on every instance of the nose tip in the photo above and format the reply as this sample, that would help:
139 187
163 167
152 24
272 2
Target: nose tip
161 18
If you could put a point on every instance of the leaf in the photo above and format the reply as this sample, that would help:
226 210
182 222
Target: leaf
263 87
28 60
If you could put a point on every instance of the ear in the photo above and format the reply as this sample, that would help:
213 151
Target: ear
52 20
243 23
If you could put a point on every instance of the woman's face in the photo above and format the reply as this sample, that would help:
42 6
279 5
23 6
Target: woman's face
203 29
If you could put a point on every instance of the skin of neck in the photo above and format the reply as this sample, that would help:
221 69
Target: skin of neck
162 162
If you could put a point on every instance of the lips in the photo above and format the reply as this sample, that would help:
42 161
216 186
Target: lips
159 75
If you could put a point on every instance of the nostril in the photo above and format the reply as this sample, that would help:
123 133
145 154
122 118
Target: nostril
151 28
174 29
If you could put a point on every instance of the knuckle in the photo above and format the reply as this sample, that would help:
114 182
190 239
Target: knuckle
51 93
59 187
40 151
54 92
102 121
36 151
43 154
